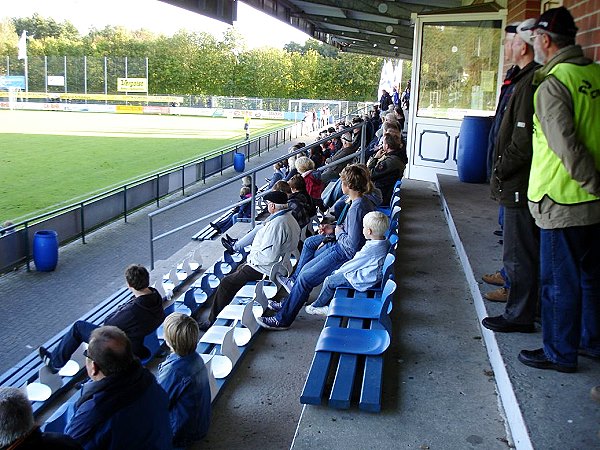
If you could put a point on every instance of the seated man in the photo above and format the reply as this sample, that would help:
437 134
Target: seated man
137 318
123 407
18 429
387 165
274 241
321 255
364 270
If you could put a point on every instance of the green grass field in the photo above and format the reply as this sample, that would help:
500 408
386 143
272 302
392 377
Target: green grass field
52 159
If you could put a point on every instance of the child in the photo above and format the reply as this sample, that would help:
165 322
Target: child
240 212
314 185
184 377
361 272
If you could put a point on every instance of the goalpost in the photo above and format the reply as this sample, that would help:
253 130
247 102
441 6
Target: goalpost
13 95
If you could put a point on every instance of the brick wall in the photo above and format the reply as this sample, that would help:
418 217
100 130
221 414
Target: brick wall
520 10
586 14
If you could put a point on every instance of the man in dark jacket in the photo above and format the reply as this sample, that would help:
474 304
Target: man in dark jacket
387 166
385 101
137 318
123 407
510 176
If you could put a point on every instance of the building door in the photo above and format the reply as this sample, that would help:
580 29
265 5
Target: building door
457 59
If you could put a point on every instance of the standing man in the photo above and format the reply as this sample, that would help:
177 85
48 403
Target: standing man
564 194
509 180
385 101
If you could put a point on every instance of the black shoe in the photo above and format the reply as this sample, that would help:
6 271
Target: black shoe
537 358
501 325
204 325
498 233
46 357
231 240
228 246
587 354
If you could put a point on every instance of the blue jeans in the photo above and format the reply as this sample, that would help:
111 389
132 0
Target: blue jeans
312 273
309 251
570 279
331 283
79 332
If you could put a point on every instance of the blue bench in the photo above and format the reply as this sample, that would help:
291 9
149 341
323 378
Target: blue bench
351 350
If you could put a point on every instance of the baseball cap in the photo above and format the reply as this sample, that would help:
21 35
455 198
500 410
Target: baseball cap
276 197
556 20
524 31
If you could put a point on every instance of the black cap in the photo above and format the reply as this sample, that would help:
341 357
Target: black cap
278 197
556 20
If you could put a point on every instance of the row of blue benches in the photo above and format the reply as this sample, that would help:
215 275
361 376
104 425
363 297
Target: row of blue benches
357 332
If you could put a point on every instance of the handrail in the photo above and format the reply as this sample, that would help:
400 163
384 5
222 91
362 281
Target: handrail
234 178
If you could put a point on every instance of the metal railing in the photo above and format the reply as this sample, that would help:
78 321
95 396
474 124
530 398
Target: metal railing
78 219
252 173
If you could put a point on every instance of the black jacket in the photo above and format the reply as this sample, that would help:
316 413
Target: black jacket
513 150
139 317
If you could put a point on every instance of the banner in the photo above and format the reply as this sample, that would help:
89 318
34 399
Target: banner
132 84
12 81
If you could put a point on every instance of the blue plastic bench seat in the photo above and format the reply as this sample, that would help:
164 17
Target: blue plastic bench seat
345 346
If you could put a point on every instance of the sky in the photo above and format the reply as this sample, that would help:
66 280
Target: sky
259 29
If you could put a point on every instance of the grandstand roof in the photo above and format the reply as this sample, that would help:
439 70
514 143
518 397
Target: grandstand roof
373 27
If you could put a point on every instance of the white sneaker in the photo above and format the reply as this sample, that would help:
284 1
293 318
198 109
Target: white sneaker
317 310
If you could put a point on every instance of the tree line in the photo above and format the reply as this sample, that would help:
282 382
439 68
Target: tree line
198 63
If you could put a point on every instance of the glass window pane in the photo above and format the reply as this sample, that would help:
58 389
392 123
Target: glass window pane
459 69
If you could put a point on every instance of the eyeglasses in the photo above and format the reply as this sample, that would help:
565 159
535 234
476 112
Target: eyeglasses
86 354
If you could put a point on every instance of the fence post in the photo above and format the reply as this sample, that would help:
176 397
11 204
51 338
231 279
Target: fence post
157 190
81 207
152 246
125 203
183 180
204 170
27 249
363 141
253 204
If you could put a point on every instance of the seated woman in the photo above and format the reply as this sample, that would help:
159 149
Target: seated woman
321 255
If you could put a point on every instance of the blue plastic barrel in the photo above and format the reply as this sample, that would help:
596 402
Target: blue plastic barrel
45 250
239 161
472 149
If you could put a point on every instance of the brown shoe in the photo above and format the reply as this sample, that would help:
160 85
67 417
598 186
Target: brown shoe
493 278
595 393
499 295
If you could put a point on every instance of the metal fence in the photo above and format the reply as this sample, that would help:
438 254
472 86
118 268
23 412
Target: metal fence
76 220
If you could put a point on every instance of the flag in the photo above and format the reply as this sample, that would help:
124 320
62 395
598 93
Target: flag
23 45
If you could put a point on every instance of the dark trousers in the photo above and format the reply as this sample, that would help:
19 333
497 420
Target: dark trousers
570 274
80 331
229 286
521 250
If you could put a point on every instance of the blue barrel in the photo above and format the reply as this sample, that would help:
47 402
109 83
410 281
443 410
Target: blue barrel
239 161
45 250
472 149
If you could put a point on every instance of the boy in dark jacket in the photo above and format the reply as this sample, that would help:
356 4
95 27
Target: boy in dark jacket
184 377
137 318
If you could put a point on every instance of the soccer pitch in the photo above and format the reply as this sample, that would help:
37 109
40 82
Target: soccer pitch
50 159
